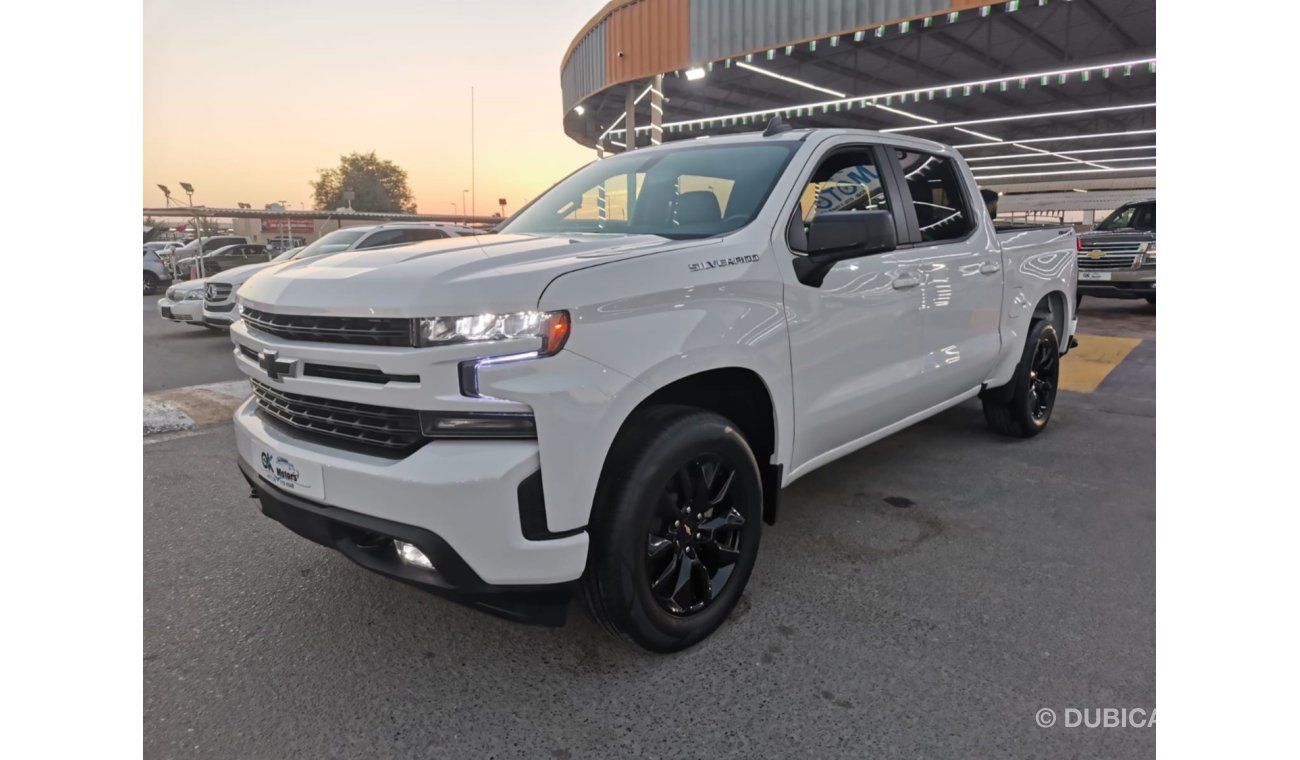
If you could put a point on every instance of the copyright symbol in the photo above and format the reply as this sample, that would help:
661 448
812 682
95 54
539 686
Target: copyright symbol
1045 717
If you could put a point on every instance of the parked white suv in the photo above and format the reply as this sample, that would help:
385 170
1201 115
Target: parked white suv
609 394
219 300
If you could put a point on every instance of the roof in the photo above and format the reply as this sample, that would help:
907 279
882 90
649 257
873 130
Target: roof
1053 91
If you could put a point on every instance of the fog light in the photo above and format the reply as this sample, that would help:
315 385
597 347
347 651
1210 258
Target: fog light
411 555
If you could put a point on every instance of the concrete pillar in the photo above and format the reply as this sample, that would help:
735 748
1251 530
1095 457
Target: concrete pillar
1089 217
657 110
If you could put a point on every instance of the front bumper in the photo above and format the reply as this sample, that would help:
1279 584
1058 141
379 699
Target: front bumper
181 311
220 315
1124 283
472 494
368 541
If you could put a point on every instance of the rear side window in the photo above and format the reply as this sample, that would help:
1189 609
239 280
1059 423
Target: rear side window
383 237
413 236
942 210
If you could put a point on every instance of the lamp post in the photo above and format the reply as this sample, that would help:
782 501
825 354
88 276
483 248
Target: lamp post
464 210
198 229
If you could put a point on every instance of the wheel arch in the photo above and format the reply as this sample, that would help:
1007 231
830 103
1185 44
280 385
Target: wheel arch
739 394
1054 307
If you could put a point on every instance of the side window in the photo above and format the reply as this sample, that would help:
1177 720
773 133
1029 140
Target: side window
847 180
942 210
416 235
383 237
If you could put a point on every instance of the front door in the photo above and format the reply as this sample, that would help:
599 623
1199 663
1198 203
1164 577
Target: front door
852 338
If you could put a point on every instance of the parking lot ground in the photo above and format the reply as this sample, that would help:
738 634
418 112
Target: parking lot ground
924 597
177 355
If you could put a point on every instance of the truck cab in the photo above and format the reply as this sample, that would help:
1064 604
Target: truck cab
607 395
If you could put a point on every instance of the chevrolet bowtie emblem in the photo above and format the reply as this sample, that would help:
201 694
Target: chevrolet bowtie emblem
1096 254
275 367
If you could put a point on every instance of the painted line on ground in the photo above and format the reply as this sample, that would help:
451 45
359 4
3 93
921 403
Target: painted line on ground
1085 367
193 407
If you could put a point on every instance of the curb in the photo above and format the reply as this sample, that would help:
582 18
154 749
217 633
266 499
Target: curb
192 407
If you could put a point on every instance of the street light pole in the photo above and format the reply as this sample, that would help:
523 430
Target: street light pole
464 209
198 228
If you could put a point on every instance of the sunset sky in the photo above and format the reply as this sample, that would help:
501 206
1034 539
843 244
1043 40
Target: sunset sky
246 99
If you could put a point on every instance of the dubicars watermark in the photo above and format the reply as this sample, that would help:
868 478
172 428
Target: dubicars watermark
1096 717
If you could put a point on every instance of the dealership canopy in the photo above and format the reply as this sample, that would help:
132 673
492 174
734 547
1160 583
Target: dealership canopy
1038 94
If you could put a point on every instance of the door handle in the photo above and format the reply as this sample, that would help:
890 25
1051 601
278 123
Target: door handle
989 267
905 281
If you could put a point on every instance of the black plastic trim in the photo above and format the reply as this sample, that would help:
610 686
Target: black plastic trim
366 541
532 511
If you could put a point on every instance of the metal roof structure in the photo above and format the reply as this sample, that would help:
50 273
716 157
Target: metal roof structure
1038 94
188 212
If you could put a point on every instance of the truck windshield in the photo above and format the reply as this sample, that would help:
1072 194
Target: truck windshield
693 191
1140 217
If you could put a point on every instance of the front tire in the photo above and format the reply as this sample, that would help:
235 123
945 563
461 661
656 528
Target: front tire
1023 407
150 283
675 528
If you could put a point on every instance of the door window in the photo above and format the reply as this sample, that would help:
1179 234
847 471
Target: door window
416 235
942 210
383 237
846 180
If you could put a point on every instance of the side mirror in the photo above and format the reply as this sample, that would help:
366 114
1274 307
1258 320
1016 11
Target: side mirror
839 235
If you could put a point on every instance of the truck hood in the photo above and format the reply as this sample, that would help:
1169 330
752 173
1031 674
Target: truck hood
450 277
1118 236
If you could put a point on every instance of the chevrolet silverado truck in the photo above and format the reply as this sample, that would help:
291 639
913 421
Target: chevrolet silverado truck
607 396
1117 258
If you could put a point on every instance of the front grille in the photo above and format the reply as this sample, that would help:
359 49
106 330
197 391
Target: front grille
1110 261
334 372
217 292
379 427
366 331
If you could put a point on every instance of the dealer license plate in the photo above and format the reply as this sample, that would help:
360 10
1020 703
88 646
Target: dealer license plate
1094 275
291 473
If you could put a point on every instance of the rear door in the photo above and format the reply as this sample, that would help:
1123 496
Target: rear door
959 267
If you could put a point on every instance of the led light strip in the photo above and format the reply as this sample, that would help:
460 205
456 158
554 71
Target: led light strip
1056 163
623 115
1021 117
1069 171
1062 137
1063 153
903 93
790 80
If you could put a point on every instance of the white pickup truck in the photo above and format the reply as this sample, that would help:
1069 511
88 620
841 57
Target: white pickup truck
609 394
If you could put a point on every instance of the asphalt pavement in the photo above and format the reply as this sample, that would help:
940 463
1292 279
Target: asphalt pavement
178 355
924 597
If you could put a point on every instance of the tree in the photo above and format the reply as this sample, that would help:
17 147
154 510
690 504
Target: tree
379 185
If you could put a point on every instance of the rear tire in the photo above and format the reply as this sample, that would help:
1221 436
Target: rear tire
150 283
675 528
1023 407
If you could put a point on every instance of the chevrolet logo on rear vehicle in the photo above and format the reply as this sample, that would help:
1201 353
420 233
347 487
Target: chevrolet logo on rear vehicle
1096 254
275 367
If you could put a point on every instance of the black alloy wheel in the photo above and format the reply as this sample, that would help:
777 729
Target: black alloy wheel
1043 375
675 527
1023 407
695 536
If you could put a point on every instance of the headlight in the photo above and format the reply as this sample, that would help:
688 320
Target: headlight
1149 251
171 294
194 295
551 326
